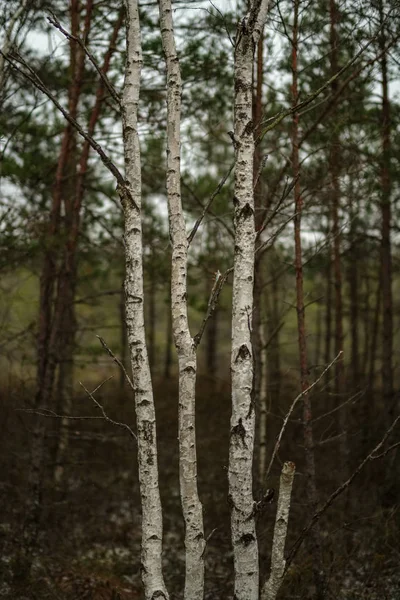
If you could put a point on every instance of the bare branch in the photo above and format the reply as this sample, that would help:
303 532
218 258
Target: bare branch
32 76
106 417
53 20
210 201
212 302
291 409
317 515
117 361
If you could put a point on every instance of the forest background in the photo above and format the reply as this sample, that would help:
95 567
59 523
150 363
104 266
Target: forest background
325 214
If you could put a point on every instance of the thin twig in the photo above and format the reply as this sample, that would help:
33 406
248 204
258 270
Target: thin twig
217 217
32 76
46 412
105 416
371 456
210 201
287 190
291 409
358 395
212 303
276 119
53 20
271 240
117 361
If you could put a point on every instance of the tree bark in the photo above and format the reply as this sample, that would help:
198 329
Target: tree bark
184 343
278 563
130 194
245 548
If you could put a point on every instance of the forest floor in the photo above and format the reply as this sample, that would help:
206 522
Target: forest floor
90 535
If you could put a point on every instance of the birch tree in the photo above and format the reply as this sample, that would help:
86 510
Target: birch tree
243 530
185 344
130 194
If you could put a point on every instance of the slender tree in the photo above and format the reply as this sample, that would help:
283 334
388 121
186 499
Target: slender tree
130 194
245 549
184 343
311 487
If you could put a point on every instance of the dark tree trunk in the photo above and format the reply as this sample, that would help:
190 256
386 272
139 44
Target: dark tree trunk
168 345
334 164
354 296
386 251
310 484
152 313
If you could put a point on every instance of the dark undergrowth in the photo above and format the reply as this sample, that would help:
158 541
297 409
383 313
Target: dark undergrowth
89 545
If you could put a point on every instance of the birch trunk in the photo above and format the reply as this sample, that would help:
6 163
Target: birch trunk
278 563
243 531
186 348
130 195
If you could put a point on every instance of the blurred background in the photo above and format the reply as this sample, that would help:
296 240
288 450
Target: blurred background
62 271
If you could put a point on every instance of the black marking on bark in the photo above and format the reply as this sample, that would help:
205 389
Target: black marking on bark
144 402
133 299
249 127
189 369
147 429
246 211
240 431
243 354
158 594
236 201
246 539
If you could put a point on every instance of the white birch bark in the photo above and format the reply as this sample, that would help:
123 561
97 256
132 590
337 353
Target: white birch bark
241 448
186 348
278 563
144 404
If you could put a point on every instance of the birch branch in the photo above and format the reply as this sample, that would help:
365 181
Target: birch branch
274 582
